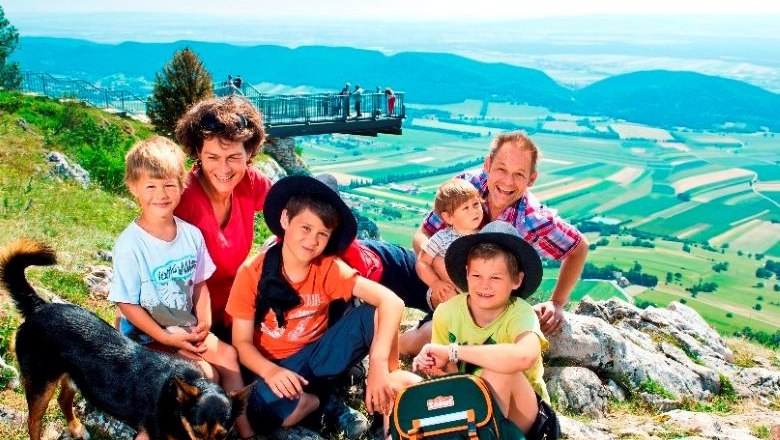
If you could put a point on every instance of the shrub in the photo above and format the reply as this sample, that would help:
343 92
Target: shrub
183 82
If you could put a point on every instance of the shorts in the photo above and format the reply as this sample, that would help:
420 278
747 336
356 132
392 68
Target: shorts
546 425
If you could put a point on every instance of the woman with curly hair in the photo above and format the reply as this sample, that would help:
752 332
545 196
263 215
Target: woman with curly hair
224 190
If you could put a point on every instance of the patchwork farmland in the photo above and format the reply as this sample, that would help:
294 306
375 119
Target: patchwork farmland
702 189
719 190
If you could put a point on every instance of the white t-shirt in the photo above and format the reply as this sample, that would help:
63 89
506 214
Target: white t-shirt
159 275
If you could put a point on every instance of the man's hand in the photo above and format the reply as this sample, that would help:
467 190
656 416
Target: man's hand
379 393
550 317
286 383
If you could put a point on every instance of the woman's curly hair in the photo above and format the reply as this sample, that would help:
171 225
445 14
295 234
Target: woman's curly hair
232 118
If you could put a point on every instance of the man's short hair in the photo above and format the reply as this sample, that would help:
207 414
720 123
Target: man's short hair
232 118
521 139
157 156
453 193
326 212
488 251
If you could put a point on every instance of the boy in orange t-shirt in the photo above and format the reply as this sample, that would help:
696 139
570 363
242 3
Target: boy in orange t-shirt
282 334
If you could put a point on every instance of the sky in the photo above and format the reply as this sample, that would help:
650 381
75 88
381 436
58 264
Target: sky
397 10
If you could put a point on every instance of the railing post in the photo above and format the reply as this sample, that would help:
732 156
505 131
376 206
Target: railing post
43 85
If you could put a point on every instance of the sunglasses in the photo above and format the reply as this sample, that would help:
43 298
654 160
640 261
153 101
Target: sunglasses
209 122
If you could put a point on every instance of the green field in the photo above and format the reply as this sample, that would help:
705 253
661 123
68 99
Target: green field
737 290
596 289
585 176
647 202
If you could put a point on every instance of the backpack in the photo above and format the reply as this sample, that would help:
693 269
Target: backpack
455 406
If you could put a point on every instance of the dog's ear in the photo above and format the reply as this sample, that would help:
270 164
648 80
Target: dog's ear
184 391
238 399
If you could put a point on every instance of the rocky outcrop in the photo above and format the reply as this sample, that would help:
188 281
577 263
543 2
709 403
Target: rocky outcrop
98 281
62 168
283 151
270 168
665 358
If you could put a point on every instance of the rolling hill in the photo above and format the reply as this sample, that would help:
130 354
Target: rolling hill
689 99
660 98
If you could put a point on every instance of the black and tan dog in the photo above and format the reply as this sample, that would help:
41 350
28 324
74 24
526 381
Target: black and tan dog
165 396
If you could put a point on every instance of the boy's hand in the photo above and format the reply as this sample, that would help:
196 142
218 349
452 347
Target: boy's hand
286 383
185 341
200 331
379 393
431 357
441 291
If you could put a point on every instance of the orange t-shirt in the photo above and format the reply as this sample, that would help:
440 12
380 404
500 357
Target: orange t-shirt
328 279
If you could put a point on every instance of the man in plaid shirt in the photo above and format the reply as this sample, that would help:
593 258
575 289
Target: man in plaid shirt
509 170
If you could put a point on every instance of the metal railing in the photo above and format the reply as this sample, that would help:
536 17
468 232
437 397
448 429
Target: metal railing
318 107
66 88
278 110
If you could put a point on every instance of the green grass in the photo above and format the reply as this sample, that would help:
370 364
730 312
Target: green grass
596 289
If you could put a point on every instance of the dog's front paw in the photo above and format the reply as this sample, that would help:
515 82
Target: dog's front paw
78 432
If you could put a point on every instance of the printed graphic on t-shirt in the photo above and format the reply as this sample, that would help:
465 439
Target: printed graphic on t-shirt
168 295
298 320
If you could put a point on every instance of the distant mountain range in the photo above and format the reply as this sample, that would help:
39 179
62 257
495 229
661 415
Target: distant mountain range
660 98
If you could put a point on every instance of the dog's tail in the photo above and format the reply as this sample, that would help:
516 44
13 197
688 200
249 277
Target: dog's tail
14 259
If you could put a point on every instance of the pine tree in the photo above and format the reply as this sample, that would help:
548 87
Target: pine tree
182 82
10 77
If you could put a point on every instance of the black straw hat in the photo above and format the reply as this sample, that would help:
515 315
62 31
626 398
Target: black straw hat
505 236
324 187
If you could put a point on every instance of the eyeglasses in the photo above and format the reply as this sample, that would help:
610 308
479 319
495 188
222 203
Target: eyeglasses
209 122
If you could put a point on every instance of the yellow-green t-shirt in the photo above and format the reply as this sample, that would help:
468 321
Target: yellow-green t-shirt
452 322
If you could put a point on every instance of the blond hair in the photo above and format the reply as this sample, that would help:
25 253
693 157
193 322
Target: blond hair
521 140
158 157
452 194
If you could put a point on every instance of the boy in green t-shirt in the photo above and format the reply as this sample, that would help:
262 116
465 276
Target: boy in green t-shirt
492 332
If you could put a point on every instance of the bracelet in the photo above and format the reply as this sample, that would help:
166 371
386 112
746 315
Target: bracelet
453 353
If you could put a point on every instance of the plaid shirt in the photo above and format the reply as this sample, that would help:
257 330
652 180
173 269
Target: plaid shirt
539 225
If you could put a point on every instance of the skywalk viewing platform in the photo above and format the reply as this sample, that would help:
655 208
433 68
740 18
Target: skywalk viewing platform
321 113
284 115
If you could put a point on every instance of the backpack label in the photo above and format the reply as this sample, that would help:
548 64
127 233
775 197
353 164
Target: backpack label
440 402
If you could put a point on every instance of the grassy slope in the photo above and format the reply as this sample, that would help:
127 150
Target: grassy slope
77 222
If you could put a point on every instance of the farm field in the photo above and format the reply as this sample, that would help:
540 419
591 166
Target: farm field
703 192
738 288
596 289
710 188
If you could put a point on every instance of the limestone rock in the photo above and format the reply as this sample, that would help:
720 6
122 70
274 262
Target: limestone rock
62 168
574 430
270 168
98 280
578 390
283 151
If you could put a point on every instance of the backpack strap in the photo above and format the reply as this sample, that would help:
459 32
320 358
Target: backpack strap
273 290
471 419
